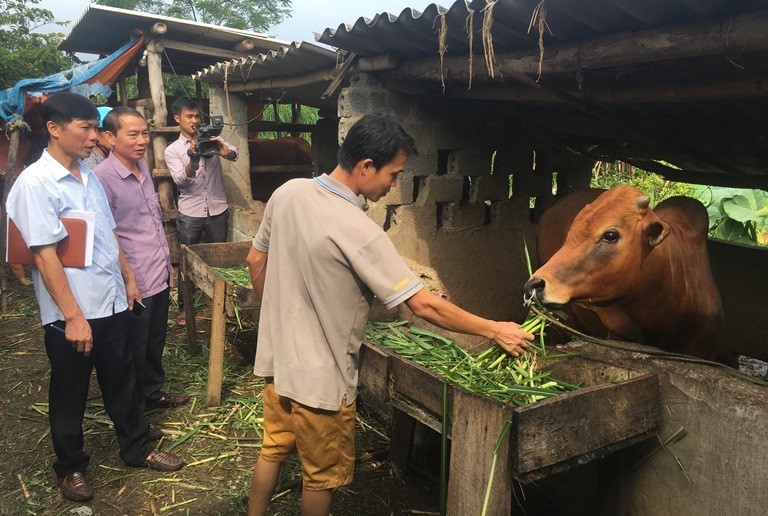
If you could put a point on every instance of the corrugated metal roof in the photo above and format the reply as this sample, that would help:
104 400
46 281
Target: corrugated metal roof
415 34
296 59
102 29
687 132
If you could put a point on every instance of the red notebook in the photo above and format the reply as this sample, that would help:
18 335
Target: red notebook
71 250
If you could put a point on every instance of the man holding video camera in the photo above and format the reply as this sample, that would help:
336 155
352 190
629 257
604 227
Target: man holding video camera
202 201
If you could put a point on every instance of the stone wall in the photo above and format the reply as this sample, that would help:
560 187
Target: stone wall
452 209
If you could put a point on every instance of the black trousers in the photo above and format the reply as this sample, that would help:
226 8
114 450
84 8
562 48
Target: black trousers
191 231
146 336
70 377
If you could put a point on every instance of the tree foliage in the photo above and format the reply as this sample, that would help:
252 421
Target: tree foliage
255 15
607 175
25 53
735 214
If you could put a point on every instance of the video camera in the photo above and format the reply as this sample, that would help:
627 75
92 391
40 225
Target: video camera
204 146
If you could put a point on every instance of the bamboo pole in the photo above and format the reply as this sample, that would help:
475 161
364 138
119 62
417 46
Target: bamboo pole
216 358
10 176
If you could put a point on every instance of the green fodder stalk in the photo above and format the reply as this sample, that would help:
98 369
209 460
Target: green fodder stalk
492 373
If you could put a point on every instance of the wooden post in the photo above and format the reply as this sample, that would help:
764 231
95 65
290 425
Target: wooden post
188 290
276 110
160 115
10 177
216 359
295 116
123 91
199 94
474 433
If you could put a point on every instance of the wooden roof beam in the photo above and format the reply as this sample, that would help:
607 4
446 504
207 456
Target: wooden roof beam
372 64
193 48
751 87
725 36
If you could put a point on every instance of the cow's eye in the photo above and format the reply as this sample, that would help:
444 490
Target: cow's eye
611 236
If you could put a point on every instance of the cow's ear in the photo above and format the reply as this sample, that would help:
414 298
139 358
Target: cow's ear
655 231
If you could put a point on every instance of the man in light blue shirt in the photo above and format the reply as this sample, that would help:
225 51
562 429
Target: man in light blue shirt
84 311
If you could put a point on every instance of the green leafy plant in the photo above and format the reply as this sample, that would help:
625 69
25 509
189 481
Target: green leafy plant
736 214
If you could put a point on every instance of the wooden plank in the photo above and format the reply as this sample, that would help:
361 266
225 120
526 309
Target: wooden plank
424 417
224 254
580 422
283 169
201 49
188 289
476 424
417 384
164 129
374 371
218 338
267 125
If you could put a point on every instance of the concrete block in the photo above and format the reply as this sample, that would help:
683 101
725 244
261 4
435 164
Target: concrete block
377 211
402 193
465 162
441 189
463 217
489 188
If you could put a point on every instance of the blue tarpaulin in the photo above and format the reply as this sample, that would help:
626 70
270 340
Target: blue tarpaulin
82 79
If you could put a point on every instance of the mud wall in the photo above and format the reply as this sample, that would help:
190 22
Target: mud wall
462 206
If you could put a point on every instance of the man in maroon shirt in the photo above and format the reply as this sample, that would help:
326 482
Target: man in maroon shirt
135 207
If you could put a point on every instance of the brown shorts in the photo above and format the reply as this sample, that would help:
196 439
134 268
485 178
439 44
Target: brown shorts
324 439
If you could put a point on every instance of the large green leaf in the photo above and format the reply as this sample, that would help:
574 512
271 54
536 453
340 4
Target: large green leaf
733 231
744 208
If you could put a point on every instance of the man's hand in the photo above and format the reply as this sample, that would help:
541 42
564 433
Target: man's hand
132 292
510 337
78 333
224 151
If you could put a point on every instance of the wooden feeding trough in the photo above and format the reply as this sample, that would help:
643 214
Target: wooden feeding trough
197 263
615 407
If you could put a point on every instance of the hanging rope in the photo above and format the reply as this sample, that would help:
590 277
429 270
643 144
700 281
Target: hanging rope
490 56
442 46
539 18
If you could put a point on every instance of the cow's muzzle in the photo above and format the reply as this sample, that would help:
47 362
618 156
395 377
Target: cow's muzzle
534 288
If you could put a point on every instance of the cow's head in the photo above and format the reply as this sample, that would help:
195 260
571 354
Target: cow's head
603 253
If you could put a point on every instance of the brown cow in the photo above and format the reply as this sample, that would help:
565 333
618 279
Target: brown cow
288 150
630 272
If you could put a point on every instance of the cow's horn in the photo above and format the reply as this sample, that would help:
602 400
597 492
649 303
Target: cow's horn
643 201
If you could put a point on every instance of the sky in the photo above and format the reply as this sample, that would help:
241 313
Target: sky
309 16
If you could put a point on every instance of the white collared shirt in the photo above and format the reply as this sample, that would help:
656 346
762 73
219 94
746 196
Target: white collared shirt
41 195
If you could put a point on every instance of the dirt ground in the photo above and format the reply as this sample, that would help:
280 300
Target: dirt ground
219 445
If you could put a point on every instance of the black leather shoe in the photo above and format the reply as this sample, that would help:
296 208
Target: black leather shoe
154 432
168 401
76 487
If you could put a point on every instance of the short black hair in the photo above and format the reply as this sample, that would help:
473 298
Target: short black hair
378 136
62 108
112 120
183 103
